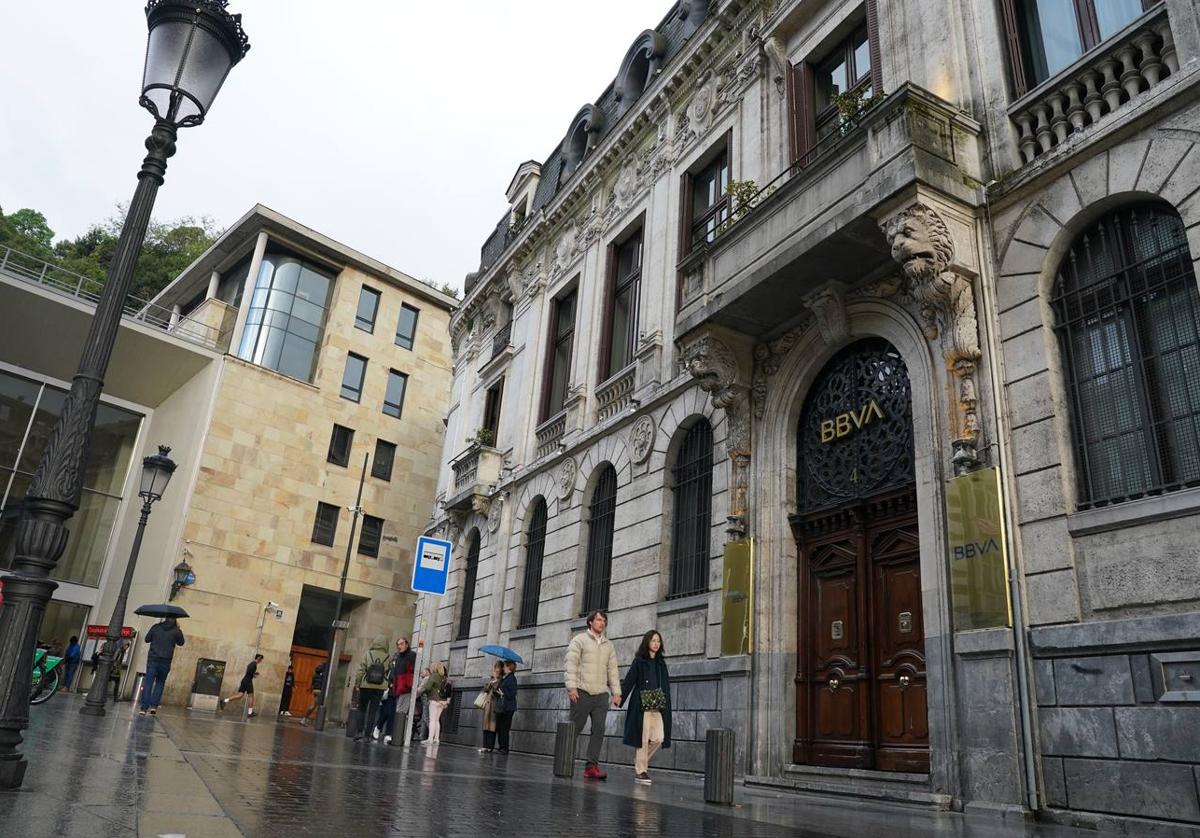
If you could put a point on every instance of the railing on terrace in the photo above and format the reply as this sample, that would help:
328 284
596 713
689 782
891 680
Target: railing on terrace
1130 64
549 434
70 284
466 469
735 208
501 338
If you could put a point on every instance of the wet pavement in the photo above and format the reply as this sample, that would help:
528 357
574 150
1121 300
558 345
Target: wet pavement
206 776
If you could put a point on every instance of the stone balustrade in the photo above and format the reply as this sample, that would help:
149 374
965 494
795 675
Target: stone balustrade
550 433
1101 82
466 469
613 395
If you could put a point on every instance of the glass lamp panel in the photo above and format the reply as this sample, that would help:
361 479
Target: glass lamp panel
205 67
165 50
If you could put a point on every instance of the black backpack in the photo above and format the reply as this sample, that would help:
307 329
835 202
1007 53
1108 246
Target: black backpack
375 672
445 691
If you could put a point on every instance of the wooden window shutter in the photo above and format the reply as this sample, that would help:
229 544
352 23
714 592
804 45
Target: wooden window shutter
548 362
793 137
685 227
873 46
1016 55
806 116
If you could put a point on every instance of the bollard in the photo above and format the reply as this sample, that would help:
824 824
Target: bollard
718 766
398 723
564 750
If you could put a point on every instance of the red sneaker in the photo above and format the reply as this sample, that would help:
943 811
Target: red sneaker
593 772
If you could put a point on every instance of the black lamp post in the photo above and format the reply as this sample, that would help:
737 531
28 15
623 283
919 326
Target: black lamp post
191 48
156 474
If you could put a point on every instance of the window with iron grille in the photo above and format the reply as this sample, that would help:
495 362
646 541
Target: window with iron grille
339 445
1127 316
325 524
372 534
385 456
468 588
531 589
368 307
601 516
691 523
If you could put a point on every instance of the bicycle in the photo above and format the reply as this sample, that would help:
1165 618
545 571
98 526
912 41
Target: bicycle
47 676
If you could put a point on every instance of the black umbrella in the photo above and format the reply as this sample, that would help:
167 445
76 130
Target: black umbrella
161 610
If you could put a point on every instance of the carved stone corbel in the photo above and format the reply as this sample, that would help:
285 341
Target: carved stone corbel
922 245
719 371
829 308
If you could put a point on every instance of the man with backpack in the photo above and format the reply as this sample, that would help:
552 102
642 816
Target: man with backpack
318 686
372 681
400 684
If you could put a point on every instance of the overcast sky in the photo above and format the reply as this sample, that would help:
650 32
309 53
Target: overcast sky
391 125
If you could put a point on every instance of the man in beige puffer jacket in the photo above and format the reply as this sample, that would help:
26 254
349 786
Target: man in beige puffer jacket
591 675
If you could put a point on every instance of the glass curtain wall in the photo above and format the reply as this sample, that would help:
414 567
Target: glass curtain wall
286 317
28 412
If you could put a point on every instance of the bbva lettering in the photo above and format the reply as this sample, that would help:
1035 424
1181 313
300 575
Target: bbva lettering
851 420
975 549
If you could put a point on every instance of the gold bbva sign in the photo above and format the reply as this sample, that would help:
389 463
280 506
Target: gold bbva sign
851 420
978 555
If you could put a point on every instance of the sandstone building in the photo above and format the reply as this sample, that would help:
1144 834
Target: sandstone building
274 366
901 298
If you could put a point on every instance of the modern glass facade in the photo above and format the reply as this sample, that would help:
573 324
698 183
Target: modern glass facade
29 410
287 316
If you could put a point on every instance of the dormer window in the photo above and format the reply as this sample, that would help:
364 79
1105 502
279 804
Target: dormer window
581 138
641 64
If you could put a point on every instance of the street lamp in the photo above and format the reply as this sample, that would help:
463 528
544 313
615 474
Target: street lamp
183 576
192 46
156 474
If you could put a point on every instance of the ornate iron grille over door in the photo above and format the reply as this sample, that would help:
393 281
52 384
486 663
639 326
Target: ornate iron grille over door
531 591
856 429
601 516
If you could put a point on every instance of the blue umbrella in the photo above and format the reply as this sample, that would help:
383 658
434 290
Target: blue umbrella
502 652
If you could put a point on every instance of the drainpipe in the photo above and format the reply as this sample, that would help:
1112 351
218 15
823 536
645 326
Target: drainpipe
1003 455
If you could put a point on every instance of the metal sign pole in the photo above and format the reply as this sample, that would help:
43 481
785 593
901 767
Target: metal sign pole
412 694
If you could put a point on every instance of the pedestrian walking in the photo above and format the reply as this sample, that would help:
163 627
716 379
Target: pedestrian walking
508 706
73 656
401 668
372 681
488 701
246 687
438 689
591 674
647 689
163 637
318 686
289 684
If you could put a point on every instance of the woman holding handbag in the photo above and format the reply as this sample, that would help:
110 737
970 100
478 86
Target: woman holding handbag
647 688
488 701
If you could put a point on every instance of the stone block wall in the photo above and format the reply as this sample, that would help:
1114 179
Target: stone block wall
1119 716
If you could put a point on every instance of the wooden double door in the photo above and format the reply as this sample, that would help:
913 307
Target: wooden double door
861 674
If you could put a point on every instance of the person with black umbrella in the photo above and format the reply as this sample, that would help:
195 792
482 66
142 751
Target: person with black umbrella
163 638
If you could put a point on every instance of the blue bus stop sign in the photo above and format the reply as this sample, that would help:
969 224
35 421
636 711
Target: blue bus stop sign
431 567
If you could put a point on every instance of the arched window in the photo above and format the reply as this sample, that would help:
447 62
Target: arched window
468 588
1126 306
531 590
601 513
691 522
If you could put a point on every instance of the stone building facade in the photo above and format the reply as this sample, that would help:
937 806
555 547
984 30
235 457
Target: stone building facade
278 367
868 259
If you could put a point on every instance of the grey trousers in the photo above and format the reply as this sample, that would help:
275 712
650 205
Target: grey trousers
594 706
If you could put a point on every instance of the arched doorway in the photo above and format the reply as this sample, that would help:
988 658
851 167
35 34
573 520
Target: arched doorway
861 675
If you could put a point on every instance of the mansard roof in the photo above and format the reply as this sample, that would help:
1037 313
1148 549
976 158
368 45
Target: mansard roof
673 32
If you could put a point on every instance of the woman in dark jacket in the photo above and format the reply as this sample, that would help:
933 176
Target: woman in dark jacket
647 688
507 706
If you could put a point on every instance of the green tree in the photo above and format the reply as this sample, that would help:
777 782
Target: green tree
28 231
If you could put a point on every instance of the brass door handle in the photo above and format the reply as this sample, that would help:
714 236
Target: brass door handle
834 683
904 681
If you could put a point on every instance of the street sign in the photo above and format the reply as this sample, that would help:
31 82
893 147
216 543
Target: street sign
102 631
341 624
431 566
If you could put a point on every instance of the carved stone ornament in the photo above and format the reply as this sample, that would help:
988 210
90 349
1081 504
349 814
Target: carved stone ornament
714 366
767 358
626 188
495 513
922 245
777 55
481 504
567 472
829 308
702 108
641 439
566 248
